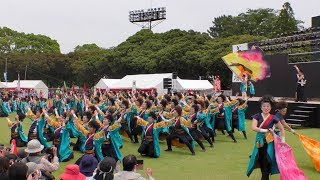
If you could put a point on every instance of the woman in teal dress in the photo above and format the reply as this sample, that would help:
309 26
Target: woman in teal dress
263 154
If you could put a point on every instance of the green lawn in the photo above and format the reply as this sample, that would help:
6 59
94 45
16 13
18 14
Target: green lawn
227 160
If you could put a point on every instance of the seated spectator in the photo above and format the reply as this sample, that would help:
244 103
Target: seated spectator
72 172
21 154
88 164
19 171
105 169
129 168
4 166
12 158
34 149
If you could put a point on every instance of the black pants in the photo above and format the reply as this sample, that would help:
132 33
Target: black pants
125 127
147 148
265 166
300 93
77 145
135 132
205 131
107 150
196 136
183 137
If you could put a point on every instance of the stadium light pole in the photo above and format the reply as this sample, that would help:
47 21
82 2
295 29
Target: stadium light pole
145 17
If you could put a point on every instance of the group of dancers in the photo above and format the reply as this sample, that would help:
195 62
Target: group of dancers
100 122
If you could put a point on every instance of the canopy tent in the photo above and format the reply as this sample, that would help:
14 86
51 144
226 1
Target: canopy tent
2 85
106 84
194 85
143 82
36 85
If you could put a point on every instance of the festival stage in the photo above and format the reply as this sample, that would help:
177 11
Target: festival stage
300 114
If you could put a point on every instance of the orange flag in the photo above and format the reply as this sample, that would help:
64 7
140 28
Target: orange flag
312 147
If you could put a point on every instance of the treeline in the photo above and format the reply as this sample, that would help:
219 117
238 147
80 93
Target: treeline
191 54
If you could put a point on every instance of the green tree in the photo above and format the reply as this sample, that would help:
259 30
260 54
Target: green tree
286 22
14 42
256 22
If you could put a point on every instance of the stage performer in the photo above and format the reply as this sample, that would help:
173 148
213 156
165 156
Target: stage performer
263 152
244 86
300 85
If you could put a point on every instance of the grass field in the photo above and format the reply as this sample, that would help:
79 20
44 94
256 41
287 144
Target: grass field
227 160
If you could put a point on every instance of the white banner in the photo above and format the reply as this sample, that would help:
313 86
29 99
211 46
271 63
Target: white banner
240 47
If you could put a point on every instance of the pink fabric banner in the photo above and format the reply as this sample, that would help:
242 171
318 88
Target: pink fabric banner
286 163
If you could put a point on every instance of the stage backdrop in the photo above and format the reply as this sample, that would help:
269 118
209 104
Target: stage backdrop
282 82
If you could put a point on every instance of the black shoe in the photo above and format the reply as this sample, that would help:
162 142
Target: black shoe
168 150
211 145
193 154
235 141
204 150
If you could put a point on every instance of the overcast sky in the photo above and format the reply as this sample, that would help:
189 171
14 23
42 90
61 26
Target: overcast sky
105 22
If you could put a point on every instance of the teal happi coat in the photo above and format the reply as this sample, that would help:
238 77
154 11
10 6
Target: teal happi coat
130 112
14 105
63 134
157 128
255 155
242 117
227 107
4 108
17 127
64 149
99 138
39 128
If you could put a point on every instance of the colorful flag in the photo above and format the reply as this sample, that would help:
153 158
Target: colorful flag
250 63
312 147
285 160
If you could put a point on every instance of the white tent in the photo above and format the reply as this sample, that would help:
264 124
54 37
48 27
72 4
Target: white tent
106 84
2 85
194 85
37 85
143 82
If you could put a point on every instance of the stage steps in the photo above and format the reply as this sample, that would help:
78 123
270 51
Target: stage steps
302 115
